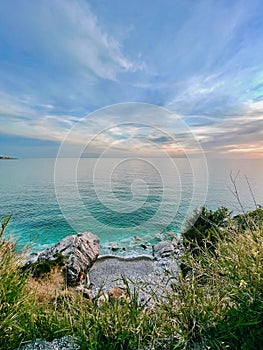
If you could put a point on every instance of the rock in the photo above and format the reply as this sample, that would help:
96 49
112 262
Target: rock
114 248
84 291
178 248
144 246
163 250
65 343
116 293
137 238
103 298
80 252
31 259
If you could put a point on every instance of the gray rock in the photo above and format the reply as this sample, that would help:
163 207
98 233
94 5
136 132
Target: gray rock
64 343
163 250
80 252
84 291
178 248
31 259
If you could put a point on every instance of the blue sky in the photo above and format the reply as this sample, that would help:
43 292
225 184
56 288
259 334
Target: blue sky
64 59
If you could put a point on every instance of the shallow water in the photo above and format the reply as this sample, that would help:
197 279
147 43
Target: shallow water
117 199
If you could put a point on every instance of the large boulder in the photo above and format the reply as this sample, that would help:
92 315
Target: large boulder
79 252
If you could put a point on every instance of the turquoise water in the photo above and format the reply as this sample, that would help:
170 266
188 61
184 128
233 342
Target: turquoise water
116 199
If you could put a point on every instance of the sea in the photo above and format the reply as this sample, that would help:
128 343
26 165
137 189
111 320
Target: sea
129 203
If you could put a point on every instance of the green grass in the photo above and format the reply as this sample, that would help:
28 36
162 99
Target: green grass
217 304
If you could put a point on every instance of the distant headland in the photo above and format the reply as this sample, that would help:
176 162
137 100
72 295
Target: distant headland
7 157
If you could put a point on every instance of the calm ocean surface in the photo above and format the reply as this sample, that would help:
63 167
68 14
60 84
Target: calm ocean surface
116 199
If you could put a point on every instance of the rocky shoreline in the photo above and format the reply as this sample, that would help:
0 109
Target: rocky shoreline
106 276
7 158
88 271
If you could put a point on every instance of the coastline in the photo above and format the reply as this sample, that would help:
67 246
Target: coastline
170 287
7 158
92 273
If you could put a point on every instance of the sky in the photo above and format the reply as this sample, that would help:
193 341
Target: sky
62 62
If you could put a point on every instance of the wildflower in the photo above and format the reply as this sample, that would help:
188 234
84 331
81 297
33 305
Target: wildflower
242 284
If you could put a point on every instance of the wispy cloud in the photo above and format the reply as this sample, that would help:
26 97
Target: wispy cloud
237 135
87 44
64 59
68 34
20 119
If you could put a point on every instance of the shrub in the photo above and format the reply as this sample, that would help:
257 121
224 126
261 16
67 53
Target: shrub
219 302
12 293
204 228
22 318
43 267
251 220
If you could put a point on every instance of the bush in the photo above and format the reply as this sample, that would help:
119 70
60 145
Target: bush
42 267
12 295
251 220
204 228
219 302
22 318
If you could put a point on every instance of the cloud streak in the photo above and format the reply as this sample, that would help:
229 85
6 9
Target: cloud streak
62 60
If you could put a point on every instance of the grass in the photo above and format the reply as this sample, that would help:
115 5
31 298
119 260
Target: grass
216 302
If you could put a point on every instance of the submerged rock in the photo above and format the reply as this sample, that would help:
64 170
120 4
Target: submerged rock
137 238
78 251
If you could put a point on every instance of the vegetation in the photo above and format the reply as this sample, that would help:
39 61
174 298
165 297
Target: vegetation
41 268
4 225
218 304
251 220
204 228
